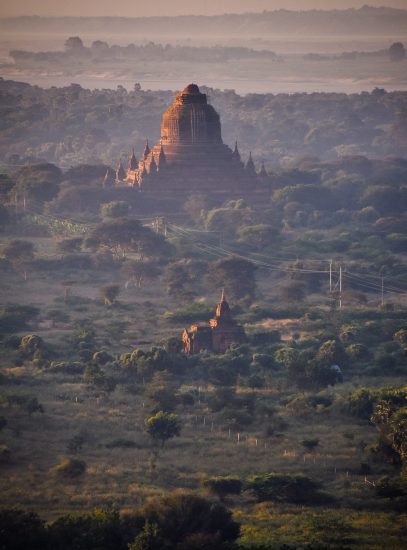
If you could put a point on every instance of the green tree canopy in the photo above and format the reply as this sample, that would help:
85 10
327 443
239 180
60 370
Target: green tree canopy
235 275
123 235
37 182
163 426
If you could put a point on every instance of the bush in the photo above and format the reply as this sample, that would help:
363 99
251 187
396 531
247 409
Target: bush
297 489
182 518
21 531
222 486
32 343
110 293
310 444
100 529
115 209
361 403
70 468
102 357
5 454
14 318
122 443
66 367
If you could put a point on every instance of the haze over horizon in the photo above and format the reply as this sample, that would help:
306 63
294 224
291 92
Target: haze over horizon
136 8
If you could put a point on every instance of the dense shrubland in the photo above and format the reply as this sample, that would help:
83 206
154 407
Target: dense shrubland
99 407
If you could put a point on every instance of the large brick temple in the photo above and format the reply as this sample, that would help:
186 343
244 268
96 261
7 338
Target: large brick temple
191 158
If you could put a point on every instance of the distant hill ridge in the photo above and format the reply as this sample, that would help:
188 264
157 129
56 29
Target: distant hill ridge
366 20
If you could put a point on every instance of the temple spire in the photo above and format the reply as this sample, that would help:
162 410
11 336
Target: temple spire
153 166
120 172
133 161
109 179
223 309
263 171
236 154
250 168
147 150
161 157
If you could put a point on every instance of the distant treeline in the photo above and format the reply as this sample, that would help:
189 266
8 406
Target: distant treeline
366 20
73 125
101 51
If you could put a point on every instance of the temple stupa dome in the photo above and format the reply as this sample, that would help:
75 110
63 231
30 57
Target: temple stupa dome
191 89
190 120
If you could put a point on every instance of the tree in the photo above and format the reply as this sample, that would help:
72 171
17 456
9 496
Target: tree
183 277
161 391
195 206
95 378
4 216
31 343
70 468
75 444
331 352
293 291
18 249
110 293
310 444
20 253
361 403
259 236
102 357
140 272
3 422
122 235
227 220
223 486
67 246
6 185
235 275
115 209
163 426
73 44
397 52
21 530
390 419
283 488
99 47
100 529
37 183
190 522
148 539
385 199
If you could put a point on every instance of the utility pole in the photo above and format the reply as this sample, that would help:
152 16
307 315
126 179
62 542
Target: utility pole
382 291
330 276
340 286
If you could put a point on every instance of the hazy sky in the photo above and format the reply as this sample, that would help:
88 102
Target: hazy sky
173 7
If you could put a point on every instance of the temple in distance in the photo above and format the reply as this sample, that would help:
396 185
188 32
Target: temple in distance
191 158
217 336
